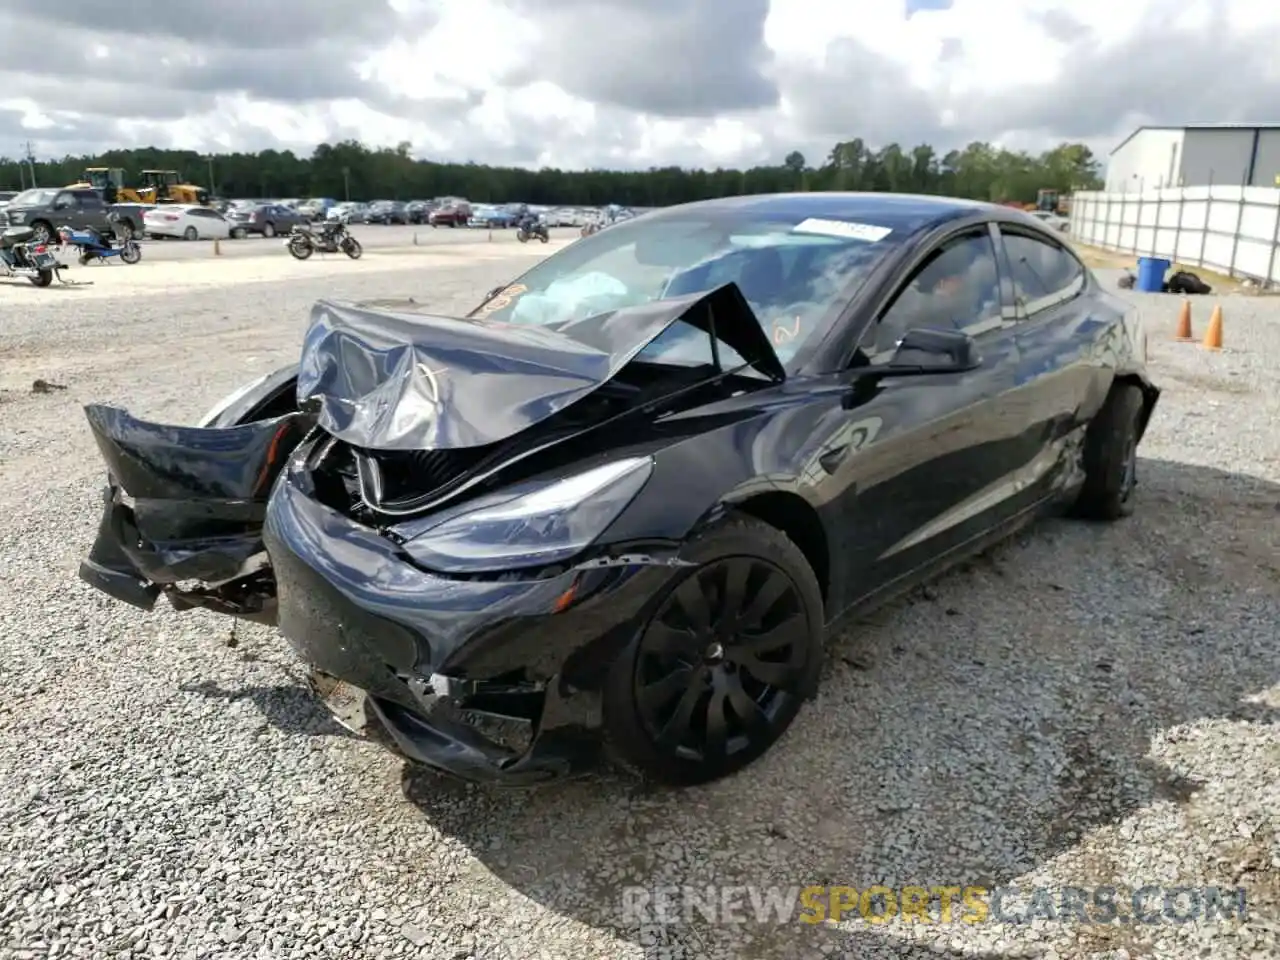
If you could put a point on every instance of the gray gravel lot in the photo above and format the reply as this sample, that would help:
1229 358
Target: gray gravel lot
371 237
1084 706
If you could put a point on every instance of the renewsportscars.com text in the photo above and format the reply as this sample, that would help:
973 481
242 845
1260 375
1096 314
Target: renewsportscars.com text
932 904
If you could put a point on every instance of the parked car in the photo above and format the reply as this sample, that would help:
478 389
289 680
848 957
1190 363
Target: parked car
349 212
491 217
46 210
189 222
267 219
562 217
6 196
387 212
1052 220
418 210
451 213
316 208
654 530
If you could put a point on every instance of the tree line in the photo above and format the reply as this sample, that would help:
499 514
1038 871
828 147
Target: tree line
350 170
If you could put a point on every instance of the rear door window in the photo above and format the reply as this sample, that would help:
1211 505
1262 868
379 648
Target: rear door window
1044 273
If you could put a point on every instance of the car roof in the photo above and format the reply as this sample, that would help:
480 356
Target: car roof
920 211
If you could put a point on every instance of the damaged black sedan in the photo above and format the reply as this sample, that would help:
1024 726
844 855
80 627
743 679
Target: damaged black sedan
622 501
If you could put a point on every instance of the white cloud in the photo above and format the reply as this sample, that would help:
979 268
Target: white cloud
472 79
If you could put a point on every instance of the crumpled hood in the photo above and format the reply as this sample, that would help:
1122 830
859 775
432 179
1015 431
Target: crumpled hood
390 380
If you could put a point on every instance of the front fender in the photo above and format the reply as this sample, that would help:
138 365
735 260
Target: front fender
251 401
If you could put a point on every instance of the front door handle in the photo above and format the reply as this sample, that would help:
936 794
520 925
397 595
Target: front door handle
831 460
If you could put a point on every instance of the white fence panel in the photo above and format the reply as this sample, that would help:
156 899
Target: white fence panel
1233 230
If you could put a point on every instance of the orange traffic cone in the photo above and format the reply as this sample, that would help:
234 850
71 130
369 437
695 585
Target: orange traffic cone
1184 322
1213 336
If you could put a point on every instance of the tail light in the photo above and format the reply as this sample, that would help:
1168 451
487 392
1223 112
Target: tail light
42 249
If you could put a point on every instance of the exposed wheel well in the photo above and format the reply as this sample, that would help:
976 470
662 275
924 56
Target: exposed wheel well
799 521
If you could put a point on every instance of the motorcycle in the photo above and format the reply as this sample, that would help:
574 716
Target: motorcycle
529 229
92 245
20 257
331 238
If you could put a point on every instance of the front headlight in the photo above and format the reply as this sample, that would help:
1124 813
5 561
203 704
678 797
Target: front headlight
537 524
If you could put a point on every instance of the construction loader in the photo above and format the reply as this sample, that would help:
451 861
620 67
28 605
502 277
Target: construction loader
109 181
165 186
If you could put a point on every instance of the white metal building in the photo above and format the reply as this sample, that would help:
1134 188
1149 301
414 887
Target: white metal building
1197 155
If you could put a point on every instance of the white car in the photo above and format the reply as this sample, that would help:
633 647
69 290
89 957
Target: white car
190 222
1051 220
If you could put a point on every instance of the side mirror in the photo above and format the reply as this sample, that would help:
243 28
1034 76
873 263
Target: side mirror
925 350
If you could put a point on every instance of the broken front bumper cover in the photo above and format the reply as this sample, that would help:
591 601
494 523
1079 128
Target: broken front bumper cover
452 745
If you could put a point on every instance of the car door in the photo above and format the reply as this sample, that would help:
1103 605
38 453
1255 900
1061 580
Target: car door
91 212
216 224
1062 340
64 211
924 475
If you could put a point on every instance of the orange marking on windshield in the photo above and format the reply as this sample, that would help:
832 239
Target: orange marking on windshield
503 299
781 334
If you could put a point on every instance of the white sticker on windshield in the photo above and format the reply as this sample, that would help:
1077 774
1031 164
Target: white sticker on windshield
840 228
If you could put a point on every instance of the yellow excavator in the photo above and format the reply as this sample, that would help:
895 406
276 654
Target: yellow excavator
165 186
158 186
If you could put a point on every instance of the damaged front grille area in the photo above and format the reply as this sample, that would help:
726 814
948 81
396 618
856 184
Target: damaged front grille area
358 483
391 478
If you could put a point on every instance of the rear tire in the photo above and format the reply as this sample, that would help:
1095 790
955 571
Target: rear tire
715 674
299 248
130 252
42 232
1111 457
44 279
269 230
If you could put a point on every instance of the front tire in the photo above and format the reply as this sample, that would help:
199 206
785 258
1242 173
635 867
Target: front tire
191 233
1111 457
351 247
131 252
43 279
730 653
42 232
239 233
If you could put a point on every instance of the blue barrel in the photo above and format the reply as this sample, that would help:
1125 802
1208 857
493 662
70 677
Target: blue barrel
1151 271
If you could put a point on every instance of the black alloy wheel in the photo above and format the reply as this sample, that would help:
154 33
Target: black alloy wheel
1110 457
725 663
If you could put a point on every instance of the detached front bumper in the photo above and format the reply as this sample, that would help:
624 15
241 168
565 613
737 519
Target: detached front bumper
425 662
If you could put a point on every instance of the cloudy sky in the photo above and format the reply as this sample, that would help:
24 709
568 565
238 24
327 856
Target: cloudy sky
625 83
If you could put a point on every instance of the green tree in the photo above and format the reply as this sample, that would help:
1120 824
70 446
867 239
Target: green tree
979 171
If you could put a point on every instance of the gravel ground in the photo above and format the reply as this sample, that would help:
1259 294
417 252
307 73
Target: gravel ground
371 237
1083 706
